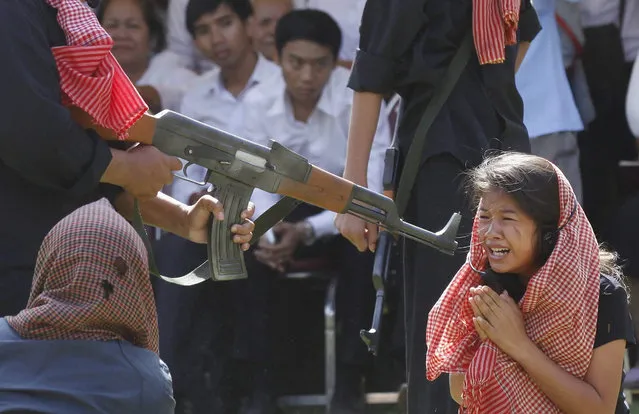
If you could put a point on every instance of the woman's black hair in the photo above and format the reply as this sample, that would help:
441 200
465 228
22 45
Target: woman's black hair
151 18
308 24
532 183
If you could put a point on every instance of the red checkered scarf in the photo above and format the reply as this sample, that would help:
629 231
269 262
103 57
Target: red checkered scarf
560 313
90 77
494 27
91 282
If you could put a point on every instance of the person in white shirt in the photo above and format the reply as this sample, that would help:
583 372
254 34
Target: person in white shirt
181 52
138 34
266 14
308 111
188 319
217 96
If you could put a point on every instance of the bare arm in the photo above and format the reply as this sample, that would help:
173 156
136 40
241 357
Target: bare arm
363 125
456 385
521 53
597 393
162 211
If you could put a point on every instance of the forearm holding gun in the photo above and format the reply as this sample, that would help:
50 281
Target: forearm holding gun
237 166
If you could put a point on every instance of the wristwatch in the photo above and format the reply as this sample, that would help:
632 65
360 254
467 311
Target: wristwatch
308 233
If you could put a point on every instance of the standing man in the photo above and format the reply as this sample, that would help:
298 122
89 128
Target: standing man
49 165
405 47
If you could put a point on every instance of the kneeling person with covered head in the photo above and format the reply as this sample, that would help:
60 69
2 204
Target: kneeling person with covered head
88 338
537 318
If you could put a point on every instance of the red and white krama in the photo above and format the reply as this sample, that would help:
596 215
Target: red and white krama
560 314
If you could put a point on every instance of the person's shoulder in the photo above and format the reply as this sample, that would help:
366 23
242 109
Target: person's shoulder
611 286
613 316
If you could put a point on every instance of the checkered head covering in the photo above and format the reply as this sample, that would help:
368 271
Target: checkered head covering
560 315
91 282
90 77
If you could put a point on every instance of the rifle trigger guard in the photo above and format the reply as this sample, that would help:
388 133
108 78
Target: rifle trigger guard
185 177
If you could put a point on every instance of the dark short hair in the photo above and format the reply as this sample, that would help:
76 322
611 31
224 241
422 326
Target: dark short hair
308 24
197 8
151 18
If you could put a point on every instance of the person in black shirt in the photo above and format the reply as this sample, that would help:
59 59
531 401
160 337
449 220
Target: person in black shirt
405 48
50 166
537 318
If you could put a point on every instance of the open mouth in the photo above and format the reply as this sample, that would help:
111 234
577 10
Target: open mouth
498 252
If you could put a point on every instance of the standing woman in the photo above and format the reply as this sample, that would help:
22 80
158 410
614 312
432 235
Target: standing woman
405 47
536 320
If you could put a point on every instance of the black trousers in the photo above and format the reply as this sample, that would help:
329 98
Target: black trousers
427 272
607 139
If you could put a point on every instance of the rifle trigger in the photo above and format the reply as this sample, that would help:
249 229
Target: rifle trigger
185 177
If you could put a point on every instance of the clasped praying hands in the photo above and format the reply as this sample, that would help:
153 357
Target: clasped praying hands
498 318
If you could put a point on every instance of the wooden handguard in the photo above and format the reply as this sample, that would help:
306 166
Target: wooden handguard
323 189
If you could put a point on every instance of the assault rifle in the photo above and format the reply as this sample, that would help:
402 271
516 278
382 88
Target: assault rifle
237 166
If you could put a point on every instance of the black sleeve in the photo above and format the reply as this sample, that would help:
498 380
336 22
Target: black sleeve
38 138
529 24
613 319
387 31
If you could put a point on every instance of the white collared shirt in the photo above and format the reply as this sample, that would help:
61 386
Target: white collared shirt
322 139
208 101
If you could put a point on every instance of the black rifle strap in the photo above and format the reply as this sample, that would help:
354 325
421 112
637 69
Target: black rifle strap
440 95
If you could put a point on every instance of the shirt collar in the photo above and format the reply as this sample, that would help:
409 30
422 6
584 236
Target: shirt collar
260 74
327 104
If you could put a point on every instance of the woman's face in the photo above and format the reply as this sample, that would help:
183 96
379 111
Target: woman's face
124 21
508 235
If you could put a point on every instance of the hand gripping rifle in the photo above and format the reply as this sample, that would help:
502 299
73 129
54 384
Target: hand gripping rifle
237 166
